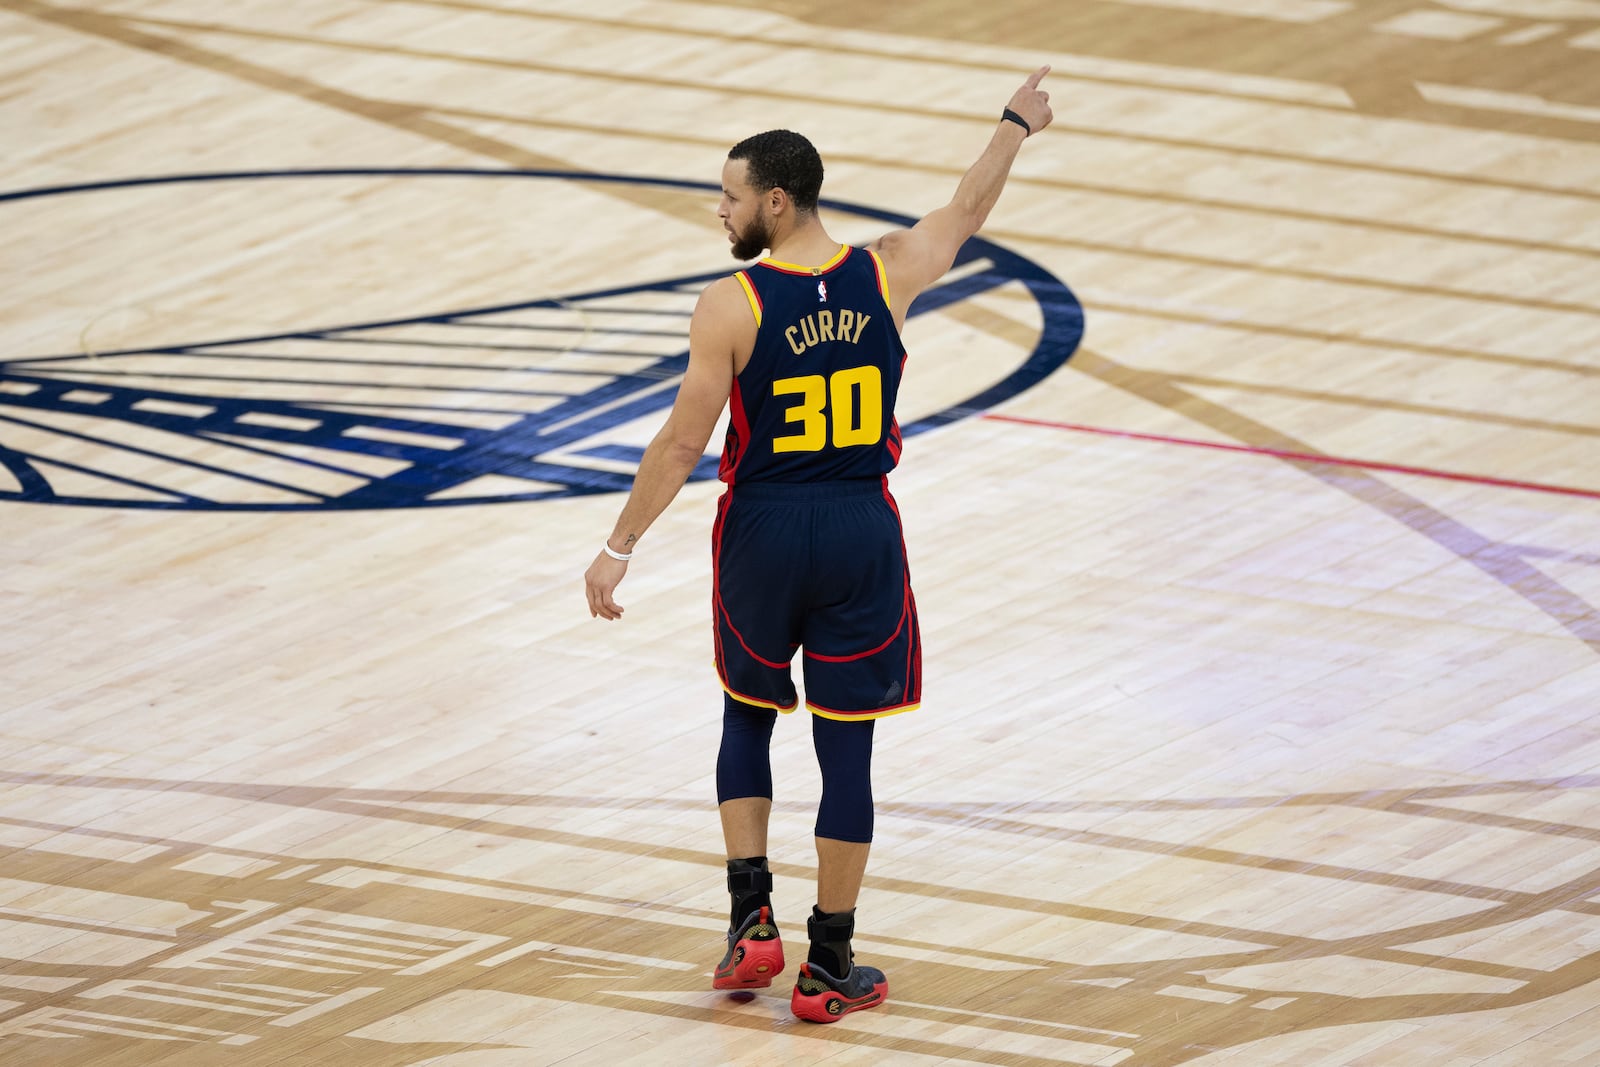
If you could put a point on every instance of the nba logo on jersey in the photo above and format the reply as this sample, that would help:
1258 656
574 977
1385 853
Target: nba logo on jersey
822 292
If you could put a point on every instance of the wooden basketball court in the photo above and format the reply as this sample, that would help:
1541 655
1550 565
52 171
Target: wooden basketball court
1252 490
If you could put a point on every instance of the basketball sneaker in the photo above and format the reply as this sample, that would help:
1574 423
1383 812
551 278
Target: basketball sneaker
754 956
819 997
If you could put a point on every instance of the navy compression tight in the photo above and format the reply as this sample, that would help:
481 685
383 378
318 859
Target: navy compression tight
844 754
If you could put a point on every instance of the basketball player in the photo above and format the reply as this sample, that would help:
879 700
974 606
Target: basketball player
807 547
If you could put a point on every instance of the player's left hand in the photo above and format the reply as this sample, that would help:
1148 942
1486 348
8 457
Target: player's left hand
1032 102
599 582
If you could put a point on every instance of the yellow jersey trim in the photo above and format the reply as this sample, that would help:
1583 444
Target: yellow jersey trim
795 268
753 702
839 717
750 295
883 279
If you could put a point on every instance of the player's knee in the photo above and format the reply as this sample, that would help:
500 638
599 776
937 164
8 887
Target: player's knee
744 766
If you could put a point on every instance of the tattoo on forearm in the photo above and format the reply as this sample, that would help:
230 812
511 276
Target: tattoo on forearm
629 540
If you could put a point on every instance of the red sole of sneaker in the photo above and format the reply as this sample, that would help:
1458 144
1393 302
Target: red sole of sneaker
761 962
831 1007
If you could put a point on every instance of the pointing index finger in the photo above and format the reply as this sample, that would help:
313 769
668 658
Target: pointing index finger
1036 77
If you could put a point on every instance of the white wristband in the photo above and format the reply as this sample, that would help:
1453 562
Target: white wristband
623 556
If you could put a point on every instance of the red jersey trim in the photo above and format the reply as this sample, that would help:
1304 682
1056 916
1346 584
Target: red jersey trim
721 611
738 435
898 630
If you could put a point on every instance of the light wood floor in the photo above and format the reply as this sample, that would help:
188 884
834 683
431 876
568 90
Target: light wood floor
310 753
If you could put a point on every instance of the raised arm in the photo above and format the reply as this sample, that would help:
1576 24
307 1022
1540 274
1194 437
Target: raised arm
677 447
918 257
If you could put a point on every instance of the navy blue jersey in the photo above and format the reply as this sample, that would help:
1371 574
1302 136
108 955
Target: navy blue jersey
816 401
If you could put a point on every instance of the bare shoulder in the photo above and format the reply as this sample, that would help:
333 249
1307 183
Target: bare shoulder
908 265
724 322
725 290
723 302
890 244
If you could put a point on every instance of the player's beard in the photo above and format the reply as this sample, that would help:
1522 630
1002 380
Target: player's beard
756 238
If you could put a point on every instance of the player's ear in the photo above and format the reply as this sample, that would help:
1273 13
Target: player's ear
777 199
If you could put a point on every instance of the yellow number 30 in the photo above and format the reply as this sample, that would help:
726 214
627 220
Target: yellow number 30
855 396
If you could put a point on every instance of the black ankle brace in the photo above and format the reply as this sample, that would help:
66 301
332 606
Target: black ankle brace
830 934
749 886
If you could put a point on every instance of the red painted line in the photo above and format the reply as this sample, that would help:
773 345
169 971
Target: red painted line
1302 457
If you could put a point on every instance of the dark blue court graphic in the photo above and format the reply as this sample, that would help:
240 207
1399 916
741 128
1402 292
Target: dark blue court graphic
510 402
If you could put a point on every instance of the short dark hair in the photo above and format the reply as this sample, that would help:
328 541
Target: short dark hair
782 159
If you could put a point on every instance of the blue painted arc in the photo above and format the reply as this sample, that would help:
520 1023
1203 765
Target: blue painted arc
519 449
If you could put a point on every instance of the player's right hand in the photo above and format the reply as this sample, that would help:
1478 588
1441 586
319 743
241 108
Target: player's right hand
599 582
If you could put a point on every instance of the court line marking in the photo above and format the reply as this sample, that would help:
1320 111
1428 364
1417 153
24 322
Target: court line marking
122 27
1107 188
1300 457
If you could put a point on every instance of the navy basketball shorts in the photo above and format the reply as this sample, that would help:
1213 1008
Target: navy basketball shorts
819 566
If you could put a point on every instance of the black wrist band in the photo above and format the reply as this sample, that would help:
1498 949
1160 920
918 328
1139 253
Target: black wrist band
1011 116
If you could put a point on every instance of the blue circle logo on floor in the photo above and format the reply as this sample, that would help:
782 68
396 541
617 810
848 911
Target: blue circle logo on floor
521 400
